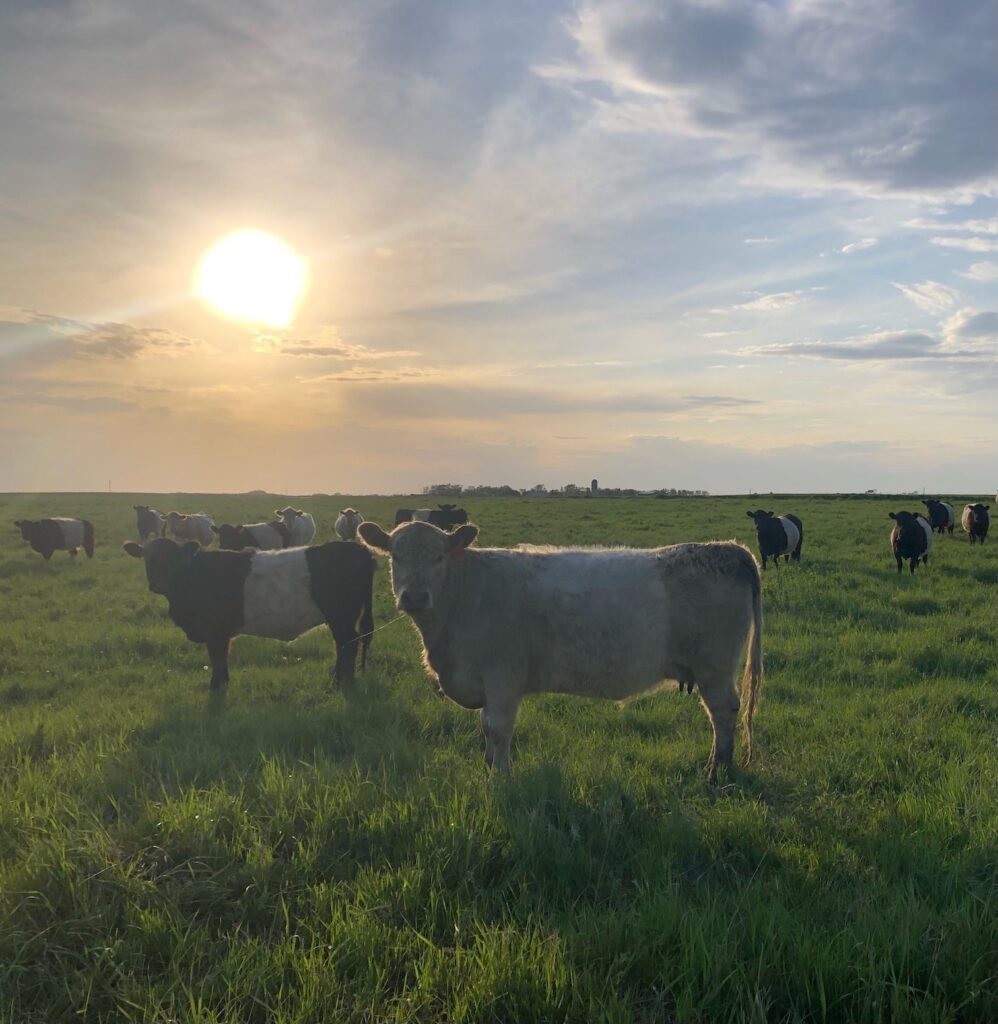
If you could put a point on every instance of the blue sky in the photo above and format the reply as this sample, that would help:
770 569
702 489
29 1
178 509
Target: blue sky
725 245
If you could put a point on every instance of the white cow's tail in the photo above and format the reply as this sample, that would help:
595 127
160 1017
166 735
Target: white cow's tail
752 679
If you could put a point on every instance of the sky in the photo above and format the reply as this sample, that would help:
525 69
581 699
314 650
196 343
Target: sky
729 245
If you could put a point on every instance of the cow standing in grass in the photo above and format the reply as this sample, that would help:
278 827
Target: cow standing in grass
911 539
300 524
500 624
346 523
264 536
975 522
777 536
149 522
47 536
941 517
196 526
216 595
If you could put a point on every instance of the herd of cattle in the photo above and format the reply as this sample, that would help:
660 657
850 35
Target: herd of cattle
496 623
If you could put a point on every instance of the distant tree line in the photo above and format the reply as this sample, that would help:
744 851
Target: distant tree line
539 490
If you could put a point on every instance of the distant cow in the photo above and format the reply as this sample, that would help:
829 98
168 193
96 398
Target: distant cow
975 521
301 525
150 522
48 535
498 624
941 517
217 595
197 526
911 538
447 517
777 536
265 536
346 523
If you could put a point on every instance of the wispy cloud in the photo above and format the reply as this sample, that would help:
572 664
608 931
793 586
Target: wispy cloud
966 244
325 343
863 243
929 296
984 271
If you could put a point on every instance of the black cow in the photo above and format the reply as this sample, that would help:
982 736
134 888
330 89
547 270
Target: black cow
940 516
150 522
911 539
447 517
781 535
48 535
976 521
216 595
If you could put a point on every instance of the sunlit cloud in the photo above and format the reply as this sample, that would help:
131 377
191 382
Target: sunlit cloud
929 296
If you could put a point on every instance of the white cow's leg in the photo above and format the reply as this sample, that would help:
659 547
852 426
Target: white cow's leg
720 701
498 719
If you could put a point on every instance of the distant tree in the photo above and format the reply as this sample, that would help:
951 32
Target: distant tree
444 490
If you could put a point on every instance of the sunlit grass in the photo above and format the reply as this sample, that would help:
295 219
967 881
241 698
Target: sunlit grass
288 854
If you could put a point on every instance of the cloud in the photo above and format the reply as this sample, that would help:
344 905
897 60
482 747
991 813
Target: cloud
929 296
389 399
27 332
967 244
969 328
889 97
968 336
863 243
880 346
325 344
777 300
978 225
985 271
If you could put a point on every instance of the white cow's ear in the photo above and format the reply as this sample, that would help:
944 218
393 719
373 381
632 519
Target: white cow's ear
374 537
133 549
464 537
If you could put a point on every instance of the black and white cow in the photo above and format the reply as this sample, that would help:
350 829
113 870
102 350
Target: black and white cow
911 538
941 517
150 523
265 536
781 535
49 535
975 521
216 595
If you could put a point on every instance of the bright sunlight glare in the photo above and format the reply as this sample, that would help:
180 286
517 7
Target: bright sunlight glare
252 275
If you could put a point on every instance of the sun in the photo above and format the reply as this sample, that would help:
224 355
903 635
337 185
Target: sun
252 275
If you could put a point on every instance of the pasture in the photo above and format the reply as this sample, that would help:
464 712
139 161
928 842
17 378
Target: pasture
285 852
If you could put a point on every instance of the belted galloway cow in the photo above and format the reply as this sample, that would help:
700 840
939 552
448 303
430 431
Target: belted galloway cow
216 595
911 539
47 536
975 521
265 536
941 517
500 624
777 535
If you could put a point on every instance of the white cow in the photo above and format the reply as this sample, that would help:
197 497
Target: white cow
196 526
301 525
499 624
346 523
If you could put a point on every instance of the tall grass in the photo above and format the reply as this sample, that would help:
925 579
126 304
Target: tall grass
285 852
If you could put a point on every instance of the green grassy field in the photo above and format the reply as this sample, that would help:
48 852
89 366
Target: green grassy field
283 853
